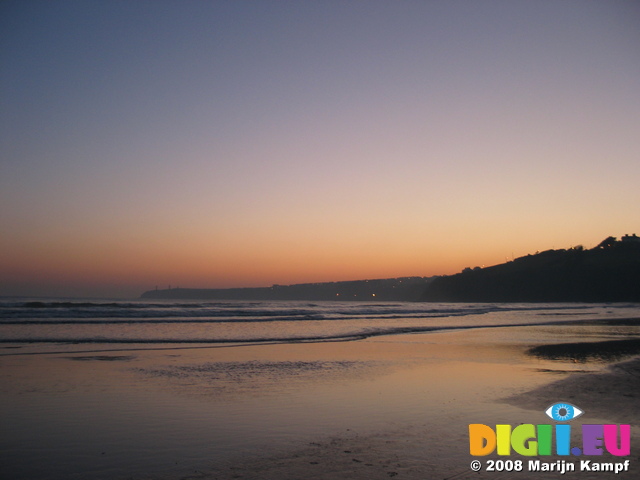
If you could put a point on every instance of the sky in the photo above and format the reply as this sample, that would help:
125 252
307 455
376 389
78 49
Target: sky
216 144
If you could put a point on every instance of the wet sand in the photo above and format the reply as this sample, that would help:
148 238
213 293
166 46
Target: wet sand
585 373
385 407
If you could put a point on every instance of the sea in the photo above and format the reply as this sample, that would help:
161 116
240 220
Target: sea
139 389
108 323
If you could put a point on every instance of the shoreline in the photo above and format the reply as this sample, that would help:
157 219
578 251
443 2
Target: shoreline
631 346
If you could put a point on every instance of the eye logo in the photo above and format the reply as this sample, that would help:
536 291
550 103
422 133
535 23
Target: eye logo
563 412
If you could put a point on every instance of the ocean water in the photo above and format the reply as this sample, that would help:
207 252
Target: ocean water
48 321
138 389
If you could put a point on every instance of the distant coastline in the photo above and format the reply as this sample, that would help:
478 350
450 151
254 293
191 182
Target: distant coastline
610 272
383 290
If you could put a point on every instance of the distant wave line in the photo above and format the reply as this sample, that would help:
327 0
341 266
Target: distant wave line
191 320
244 304
273 314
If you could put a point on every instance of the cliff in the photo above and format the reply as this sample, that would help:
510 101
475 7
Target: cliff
608 273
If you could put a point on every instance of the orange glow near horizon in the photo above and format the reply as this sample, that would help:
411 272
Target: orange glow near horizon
121 267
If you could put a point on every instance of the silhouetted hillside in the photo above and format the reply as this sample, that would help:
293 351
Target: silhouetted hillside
393 289
608 273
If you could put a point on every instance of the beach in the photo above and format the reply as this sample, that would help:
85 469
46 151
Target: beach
385 406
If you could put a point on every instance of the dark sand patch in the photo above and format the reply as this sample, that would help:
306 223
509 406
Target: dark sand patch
103 358
620 321
559 371
588 351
